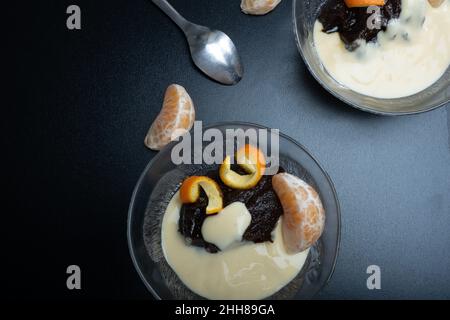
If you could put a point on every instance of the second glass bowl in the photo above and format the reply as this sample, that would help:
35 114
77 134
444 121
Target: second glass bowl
304 16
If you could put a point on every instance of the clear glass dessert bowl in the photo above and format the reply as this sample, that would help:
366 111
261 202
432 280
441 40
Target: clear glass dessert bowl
161 179
305 13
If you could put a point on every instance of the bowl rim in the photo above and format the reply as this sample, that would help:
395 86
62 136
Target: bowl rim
214 125
342 98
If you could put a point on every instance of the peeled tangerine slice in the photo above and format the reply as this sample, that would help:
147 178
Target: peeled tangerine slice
258 7
190 192
249 158
303 214
175 118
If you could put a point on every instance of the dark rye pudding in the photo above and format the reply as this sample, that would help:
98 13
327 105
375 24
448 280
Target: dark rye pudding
351 23
261 201
384 48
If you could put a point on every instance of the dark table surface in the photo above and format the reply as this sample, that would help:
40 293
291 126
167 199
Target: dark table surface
83 101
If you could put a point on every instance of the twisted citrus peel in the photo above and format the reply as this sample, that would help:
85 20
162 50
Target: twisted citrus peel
190 192
249 158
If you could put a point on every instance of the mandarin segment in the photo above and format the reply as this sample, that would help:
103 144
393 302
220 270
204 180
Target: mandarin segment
303 213
175 118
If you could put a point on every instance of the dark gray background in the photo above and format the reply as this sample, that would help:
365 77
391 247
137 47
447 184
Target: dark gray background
82 102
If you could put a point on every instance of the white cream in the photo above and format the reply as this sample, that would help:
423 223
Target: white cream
247 271
227 227
406 59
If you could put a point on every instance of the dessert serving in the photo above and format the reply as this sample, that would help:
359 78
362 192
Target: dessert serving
235 233
384 48
243 226
249 225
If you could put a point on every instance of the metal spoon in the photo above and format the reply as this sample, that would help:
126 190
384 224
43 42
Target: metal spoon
212 51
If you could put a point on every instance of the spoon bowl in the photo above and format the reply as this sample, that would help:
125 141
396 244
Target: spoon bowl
212 51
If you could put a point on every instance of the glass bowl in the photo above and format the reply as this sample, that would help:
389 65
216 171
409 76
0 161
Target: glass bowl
304 15
161 179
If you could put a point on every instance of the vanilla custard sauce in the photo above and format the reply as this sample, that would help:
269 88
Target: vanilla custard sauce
228 227
244 271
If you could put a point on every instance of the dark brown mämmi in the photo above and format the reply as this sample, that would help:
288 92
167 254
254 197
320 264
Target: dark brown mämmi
351 23
261 201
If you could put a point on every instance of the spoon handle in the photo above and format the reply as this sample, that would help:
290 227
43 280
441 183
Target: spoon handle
167 8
